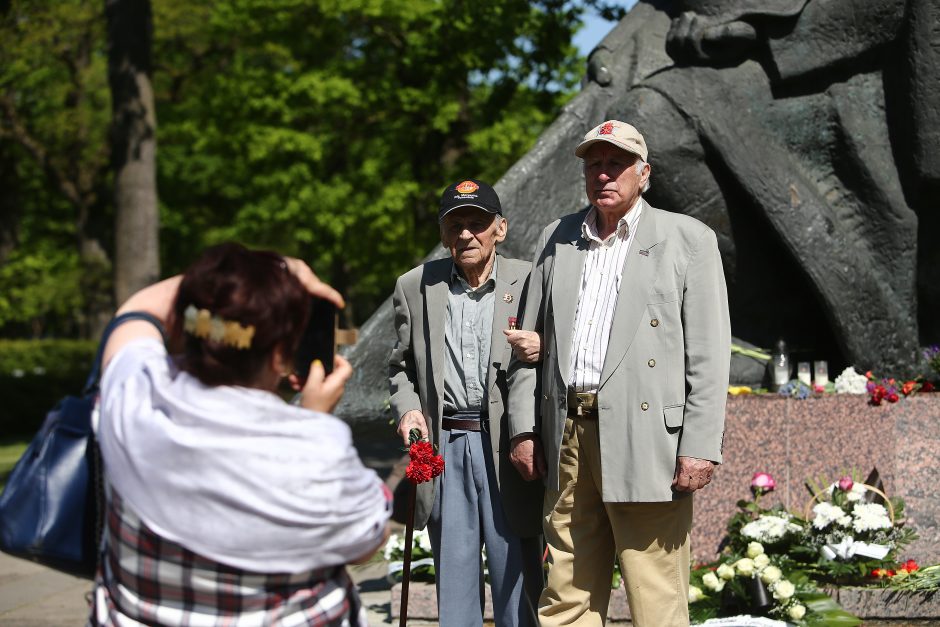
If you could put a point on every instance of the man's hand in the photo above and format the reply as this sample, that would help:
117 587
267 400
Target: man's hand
526 455
692 473
526 345
413 419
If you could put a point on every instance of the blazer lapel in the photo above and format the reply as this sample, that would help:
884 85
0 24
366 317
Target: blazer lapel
500 350
639 269
436 312
569 262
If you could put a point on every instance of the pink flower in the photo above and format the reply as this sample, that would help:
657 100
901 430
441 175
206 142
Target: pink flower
762 482
846 483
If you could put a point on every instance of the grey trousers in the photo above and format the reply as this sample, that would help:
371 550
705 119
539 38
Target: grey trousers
468 511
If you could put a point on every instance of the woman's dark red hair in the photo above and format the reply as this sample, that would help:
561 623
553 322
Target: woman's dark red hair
251 287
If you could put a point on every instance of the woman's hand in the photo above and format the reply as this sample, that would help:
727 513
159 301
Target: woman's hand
314 285
323 392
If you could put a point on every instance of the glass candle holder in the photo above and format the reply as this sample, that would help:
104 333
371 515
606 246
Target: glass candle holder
803 373
821 372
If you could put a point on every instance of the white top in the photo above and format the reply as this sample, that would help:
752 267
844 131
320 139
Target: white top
235 474
597 296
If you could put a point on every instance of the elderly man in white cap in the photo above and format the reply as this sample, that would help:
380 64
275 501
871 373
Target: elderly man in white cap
629 399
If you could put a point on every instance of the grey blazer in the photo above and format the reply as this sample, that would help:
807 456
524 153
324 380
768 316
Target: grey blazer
416 376
665 377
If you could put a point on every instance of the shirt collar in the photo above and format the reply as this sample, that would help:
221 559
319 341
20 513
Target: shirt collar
628 220
455 276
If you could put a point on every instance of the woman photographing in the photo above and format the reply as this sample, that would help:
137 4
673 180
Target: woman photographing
227 505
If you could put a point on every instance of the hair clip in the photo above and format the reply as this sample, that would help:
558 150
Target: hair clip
202 324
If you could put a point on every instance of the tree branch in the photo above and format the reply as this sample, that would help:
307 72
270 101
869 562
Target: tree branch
19 133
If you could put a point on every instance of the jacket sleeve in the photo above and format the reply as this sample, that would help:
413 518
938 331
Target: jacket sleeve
523 378
402 372
707 335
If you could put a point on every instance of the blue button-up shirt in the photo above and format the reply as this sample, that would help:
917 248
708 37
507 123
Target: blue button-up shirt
467 333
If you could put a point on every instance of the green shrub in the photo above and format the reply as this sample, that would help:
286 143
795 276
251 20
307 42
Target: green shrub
34 375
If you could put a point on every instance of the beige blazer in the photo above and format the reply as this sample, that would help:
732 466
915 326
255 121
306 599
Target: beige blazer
665 377
416 376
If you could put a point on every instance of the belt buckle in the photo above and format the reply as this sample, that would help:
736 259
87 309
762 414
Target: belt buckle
587 404
586 400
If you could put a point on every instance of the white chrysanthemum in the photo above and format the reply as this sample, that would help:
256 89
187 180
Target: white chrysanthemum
695 594
761 561
423 539
768 528
394 545
851 382
825 514
844 521
870 517
856 493
783 590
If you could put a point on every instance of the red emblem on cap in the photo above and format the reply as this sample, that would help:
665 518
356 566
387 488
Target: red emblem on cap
606 129
467 187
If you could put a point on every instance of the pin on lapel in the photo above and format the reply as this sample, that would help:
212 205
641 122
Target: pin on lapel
507 297
646 251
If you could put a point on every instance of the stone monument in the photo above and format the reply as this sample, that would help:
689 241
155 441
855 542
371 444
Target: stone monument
805 132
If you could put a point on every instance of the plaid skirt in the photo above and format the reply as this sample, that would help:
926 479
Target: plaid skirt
144 579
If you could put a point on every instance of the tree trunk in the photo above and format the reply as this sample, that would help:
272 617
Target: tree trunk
134 146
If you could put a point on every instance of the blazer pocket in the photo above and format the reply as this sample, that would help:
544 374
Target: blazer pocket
655 298
674 416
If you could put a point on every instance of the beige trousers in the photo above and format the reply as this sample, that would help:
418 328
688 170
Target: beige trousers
584 534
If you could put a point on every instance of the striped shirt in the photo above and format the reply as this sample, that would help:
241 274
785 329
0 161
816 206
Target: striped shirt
597 296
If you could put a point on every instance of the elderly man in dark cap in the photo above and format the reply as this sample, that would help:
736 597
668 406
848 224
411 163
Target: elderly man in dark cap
447 379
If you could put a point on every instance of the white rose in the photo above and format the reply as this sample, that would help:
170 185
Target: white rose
783 590
770 575
754 549
695 594
711 581
761 561
725 571
797 611
745 566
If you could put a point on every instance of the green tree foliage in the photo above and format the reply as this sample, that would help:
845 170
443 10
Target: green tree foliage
54 108
327 129
324 129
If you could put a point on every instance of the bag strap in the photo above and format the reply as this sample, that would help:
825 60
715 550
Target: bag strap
115 322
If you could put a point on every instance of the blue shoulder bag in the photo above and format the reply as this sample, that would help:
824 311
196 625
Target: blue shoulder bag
51 510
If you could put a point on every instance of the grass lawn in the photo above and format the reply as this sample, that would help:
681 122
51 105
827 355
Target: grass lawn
10 451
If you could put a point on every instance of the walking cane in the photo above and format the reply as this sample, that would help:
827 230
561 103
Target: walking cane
406 573
424 466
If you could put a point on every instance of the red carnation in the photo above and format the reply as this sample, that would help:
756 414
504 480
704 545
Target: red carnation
418 472
926 387
421 451
893 397
425 464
